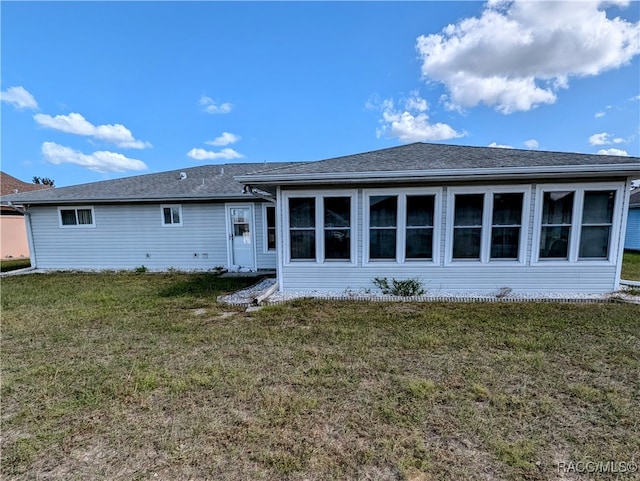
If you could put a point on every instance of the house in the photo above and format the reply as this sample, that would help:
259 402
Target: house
632 238
458 219
190 219
13 231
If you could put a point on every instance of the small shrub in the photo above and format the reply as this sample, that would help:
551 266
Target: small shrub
141 269
404 288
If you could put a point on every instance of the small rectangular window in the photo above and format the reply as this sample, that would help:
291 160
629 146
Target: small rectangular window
337 227
506 225
171 215
597 221
467 226
81 217
383 222
302 228
271 227
419 227
557 210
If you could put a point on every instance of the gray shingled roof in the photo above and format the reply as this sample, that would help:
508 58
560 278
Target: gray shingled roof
438 158
204 182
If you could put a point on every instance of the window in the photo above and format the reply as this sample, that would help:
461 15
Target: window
337 227
270 222
76 217
597 221
171 215
506 225
557 210
302 227
320 227
402 224
419 227
576 222
487 224
467 226
383 221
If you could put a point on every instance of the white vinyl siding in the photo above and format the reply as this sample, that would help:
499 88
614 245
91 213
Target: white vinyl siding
128 236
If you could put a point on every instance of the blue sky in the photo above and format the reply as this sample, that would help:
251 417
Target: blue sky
94 91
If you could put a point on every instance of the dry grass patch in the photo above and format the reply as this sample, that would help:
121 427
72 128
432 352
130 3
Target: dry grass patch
128 376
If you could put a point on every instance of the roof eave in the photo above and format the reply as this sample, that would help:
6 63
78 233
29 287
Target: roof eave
132 200
621 170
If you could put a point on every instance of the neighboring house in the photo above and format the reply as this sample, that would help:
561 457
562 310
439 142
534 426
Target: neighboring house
13 232
459 219
632 238
191 219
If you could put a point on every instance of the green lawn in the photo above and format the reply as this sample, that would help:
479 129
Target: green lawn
13 264
143 376
631 266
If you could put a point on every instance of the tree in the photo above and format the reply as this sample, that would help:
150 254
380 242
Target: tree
43 181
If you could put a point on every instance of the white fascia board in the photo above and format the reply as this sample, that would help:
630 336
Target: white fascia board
137 200
445 174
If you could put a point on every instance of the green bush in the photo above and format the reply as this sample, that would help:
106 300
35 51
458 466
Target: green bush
405 288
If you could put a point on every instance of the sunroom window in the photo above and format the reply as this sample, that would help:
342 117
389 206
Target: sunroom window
506 225
597 221
467 226
419 227
557 211
337 227
383 222
302 228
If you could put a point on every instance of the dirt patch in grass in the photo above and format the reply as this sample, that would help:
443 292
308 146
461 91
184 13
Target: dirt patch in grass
129 376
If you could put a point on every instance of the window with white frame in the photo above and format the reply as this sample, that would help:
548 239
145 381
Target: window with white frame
401 224
270 227
576 224
487 224
320 227
76 217
171 215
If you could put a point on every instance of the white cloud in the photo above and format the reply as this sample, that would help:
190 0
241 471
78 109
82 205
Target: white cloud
411 124
213 107
19 97
600 115
604 138
225 139
531 144
499 146
226 154
620 152
102 161
518 54
75 123
633 99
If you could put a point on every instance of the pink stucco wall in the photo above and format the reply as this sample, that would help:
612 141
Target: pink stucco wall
13 237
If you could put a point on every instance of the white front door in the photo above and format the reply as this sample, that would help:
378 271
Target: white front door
240 232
